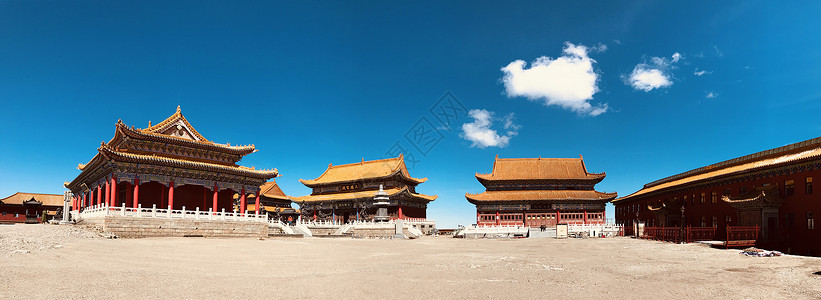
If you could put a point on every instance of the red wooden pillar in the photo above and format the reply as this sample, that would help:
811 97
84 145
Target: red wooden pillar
171 195
136 200
558 216
257 202
107 193
498 221
314 214
242 201
585 217
114 191
99 194
401 216
216 195
478 218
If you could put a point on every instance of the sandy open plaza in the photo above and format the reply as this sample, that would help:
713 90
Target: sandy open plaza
65 262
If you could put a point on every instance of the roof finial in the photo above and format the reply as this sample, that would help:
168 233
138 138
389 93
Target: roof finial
178 109
149 123
363 161
497 156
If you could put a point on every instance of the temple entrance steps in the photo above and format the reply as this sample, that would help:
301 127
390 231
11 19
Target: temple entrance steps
538 233
343 229
302 229
281 227
415 232
495 231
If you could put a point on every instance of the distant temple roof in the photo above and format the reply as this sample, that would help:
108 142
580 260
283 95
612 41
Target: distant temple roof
362 194
539 169
806 150
528 195
271 190
47 199
371 169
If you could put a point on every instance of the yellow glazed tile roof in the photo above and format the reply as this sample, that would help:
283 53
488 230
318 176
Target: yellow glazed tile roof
539 168
363 170
47 199
799 151
361 194
271 190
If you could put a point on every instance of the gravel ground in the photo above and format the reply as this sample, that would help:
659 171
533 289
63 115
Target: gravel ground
66 262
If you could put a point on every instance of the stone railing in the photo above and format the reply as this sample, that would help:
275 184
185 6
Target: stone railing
608 230
100 211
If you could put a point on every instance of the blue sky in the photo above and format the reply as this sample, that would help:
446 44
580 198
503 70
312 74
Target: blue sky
643 90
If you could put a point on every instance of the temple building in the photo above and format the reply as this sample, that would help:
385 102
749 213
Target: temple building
276 204
346 193
772 189
30 207
167 165
537 192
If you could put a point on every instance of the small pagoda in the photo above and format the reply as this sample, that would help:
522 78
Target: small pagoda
346 193
167 165
538 192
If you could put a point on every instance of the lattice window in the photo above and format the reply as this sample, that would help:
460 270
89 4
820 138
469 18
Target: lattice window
810 221
789 187
808 185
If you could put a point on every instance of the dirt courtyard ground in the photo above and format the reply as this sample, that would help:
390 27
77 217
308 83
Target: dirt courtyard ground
49 261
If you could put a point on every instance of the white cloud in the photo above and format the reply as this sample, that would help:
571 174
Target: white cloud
711 95
718 52
480 133
599 48
653 75
568 81
701 72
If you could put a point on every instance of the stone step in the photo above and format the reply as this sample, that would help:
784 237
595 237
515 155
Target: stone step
538 233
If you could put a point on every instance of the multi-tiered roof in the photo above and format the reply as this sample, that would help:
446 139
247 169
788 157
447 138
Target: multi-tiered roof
172 147
364 179
539 179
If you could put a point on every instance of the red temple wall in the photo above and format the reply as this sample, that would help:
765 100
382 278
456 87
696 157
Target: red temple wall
799 239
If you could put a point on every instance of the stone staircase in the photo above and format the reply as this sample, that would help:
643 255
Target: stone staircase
343 229
302 229
538 233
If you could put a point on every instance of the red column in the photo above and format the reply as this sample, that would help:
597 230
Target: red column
401 216
478 219
242 201
558 216
107 193
85 199
99 194
585 217
171 194
498 221
216 195
257 203
136 200
114 191
314 214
